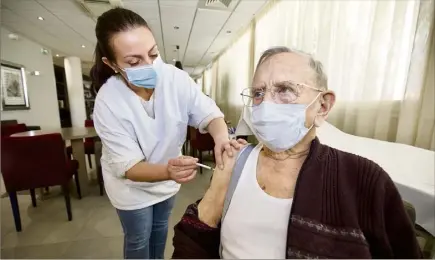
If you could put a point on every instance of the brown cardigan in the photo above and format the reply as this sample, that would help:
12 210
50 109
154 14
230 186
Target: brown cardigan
344 206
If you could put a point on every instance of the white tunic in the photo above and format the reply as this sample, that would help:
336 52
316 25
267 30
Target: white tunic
255 225
134 130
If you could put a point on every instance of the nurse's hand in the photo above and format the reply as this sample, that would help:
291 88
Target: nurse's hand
224 145
182 169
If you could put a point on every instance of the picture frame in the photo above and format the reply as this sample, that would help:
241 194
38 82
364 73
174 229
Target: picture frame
13 87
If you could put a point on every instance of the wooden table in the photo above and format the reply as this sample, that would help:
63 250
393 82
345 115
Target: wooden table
76 136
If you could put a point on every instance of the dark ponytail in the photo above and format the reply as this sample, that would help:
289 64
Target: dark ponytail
178 65
108 24
100 72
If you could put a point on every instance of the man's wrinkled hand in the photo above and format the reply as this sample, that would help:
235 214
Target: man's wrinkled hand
225 145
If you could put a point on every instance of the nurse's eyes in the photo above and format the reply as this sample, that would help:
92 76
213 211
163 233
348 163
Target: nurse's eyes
138 62
133 62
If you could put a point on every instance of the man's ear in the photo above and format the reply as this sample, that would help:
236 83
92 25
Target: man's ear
108 63
327 102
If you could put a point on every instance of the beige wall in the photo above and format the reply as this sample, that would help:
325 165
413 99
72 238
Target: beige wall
42 92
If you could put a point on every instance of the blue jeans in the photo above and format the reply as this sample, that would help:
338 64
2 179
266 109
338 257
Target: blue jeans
146 230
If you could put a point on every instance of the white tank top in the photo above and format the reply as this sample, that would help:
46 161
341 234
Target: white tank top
255 225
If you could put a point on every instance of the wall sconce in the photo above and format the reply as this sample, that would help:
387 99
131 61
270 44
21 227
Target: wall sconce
44 51
35 73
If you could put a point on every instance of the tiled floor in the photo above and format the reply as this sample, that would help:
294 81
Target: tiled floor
95 231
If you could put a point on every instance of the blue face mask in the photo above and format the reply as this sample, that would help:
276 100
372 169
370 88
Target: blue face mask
280 126
143 76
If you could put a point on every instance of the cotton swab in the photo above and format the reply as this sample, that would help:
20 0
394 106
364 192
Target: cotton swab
204 166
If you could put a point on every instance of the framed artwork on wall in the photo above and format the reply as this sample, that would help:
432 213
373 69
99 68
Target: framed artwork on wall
13 87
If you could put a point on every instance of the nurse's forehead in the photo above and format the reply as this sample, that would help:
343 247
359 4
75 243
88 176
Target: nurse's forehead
284 67
133 40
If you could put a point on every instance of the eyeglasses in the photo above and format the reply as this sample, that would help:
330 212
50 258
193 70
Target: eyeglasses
285 92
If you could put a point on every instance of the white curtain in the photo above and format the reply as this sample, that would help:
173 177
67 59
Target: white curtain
233 75
417 112
200 83
376 54
206 81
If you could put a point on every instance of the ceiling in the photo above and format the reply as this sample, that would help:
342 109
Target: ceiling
203 31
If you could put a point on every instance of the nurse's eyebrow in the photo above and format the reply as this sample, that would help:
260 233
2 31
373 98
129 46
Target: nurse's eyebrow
134 56
153 48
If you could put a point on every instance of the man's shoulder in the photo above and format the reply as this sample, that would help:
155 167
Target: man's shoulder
350 164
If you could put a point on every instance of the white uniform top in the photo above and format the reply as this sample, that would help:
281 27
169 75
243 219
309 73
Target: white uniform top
134 130
255 225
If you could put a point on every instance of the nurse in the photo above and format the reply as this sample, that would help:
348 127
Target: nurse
141 114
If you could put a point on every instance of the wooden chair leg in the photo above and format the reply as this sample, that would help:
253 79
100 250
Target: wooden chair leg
15 210
33 196
200 160
100 180
187 147
192 150
90 160
66 194
76 179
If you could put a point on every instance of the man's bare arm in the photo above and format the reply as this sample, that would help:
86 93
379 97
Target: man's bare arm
211 206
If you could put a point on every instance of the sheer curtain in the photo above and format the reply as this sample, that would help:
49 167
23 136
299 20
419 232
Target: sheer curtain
200 83
209 80
233 75
417 119
378 56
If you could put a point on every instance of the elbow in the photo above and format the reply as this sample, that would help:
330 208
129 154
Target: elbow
129 175
133 173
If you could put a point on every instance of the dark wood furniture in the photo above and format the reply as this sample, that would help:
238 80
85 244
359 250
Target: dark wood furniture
62 96
75 135
15 122
89 96
200 143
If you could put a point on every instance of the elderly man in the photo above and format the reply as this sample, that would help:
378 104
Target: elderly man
290 196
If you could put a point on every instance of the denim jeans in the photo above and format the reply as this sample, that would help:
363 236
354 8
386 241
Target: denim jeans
146 230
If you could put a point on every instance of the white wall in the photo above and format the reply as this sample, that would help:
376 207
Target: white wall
76 96
44 109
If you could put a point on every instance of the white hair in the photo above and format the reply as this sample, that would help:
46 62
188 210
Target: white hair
321 78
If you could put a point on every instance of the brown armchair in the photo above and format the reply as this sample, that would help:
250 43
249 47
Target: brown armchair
5 123
25 167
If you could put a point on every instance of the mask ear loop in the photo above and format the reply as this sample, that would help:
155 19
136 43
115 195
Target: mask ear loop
125 78
118 71
312 102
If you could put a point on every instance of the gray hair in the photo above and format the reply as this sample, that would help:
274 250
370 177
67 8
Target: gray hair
321 78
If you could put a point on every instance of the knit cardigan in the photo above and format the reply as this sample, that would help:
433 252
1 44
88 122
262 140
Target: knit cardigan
344 206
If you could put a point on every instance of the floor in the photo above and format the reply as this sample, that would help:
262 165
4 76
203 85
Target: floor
94 232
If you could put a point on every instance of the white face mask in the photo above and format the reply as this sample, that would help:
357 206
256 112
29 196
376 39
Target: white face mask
280 126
